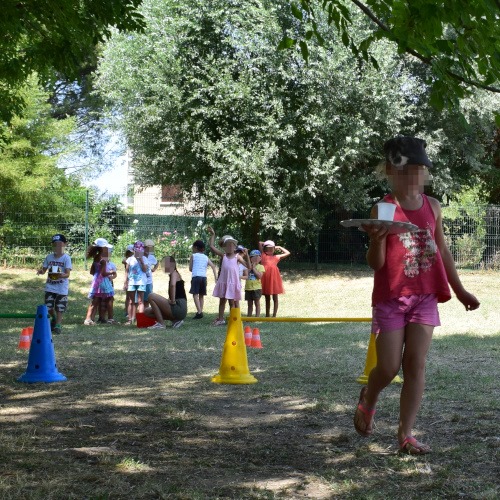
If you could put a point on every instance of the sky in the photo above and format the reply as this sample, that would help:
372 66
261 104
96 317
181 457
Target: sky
113 180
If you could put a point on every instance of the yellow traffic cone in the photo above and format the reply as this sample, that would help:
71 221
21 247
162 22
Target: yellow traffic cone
234 364
371 363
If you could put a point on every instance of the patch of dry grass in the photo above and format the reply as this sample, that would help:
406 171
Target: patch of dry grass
139 417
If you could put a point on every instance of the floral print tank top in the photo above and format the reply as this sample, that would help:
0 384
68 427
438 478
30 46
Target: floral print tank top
413 264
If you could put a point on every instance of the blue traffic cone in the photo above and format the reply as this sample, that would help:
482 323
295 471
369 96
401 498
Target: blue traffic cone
42 366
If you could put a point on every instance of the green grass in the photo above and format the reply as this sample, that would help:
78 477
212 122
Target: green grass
140 418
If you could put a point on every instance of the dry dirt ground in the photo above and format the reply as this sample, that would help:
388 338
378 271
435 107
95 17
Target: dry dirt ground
140 418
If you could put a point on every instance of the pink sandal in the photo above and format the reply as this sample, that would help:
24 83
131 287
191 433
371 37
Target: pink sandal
410 446
368 414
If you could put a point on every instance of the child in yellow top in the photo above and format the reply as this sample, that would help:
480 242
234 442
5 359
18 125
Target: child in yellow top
253 285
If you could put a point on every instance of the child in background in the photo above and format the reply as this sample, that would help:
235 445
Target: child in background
413 271
94 253
150 244
198 263
149 248
101 288
228 286
243 269
129 251
253 285
272 284
59 266
106 305
136 281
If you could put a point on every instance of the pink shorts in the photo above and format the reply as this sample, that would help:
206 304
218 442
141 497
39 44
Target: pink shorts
395 314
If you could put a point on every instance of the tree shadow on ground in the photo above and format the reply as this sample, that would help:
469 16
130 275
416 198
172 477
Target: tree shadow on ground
139 417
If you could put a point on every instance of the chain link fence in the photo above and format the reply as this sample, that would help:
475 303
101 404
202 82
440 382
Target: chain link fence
26 227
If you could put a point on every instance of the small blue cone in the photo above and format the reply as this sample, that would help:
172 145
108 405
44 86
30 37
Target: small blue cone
42 366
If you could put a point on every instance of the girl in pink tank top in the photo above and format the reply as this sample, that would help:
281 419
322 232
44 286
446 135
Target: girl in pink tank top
413 272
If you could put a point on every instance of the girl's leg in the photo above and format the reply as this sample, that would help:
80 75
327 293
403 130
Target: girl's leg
389 347
257 308
103 307
153 306
268 305
140 302
233 303
222 307
202 301
275 305
97 307
249 307
109 307
159 307
131 305
90 309
127 302
417 342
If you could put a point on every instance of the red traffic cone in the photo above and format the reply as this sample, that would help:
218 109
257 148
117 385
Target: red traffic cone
256 343
25 338
248 336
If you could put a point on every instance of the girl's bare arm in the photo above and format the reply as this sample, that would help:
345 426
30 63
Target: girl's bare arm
466 298
284 253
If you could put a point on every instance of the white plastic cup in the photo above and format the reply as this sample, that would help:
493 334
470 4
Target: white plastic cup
55 270
385 211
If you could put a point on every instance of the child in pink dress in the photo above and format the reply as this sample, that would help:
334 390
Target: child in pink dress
228 286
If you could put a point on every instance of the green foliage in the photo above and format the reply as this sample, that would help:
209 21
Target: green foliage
251 134
54 35
458 40
28 173
37 200
464 219
260 139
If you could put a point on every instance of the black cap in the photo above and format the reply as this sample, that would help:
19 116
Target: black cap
58 237
403 150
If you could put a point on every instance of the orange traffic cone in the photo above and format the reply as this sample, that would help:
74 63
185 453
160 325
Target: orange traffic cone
256 343
25 338
248 336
